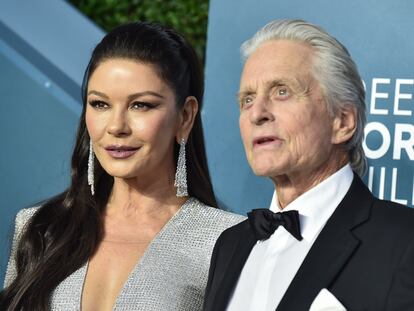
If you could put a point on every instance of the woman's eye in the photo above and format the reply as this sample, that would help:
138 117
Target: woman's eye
141 105
98 104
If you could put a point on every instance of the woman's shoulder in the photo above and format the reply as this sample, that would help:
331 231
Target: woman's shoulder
211 217
23 217
27 213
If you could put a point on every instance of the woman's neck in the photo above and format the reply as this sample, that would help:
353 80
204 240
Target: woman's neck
129 198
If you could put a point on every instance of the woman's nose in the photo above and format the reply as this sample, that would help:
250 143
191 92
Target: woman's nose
119 125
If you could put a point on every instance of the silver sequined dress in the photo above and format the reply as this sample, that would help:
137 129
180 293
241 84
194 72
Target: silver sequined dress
172 273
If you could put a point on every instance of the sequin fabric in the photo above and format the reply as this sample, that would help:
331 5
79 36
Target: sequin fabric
171 275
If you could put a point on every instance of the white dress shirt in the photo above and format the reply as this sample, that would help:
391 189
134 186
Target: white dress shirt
273 263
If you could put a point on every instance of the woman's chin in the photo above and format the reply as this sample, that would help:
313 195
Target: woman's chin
121 174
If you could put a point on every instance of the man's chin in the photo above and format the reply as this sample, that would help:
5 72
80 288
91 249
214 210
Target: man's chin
264 172
267 167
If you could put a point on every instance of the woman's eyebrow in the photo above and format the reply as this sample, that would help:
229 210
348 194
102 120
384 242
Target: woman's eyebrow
145 93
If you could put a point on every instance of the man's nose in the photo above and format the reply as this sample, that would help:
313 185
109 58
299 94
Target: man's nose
259 112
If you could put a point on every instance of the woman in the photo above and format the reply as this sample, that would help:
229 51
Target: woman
127 234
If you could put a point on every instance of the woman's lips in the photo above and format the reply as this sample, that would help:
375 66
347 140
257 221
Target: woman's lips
121 152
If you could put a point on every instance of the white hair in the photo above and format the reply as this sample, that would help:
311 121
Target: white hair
333 68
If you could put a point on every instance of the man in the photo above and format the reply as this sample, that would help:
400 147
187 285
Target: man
302 115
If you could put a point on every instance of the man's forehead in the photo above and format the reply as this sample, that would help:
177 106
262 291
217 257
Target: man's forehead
268 82
277 60
282 50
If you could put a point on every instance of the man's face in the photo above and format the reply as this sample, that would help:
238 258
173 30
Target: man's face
284 122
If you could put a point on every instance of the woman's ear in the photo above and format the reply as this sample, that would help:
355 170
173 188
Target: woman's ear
344 125
187 116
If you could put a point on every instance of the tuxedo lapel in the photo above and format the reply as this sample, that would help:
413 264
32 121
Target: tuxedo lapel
331 250
231 271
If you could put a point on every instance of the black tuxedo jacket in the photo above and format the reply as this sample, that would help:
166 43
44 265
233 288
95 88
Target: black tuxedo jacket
364 256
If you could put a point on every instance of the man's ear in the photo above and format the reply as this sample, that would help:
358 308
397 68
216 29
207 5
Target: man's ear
344 125
187 116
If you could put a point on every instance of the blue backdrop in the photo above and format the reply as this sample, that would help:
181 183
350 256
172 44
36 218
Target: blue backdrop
379 36
43 55
44 49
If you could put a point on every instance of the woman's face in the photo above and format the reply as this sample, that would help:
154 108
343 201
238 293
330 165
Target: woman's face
132 119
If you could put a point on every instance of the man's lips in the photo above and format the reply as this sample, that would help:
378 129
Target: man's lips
265 141
121 152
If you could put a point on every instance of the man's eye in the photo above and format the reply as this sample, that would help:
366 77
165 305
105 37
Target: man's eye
246 101
98 104
281 92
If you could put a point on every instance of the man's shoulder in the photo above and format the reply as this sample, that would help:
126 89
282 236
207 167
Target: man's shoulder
393 213
387 215
387 223
236 231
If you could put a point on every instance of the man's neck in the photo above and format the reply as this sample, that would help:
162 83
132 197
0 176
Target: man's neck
291 186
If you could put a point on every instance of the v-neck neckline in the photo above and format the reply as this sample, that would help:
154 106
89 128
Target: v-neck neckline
154 241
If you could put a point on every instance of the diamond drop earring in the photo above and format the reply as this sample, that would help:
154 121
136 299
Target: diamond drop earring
91 159
181 173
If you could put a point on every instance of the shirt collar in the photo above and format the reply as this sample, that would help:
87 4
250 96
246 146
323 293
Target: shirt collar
317 204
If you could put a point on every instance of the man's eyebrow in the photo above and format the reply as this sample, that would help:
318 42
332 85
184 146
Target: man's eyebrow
296 85
244 93
268 85
293 83
280 81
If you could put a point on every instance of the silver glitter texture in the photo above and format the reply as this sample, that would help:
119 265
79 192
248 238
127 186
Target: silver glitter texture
171 275
181 173
91 158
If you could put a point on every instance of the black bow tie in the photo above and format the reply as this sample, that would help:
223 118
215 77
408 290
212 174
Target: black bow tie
264 222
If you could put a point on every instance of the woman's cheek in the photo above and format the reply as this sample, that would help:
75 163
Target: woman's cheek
95 125
147 127
90 124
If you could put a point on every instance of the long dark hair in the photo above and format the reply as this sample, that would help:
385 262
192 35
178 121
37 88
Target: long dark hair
66 231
